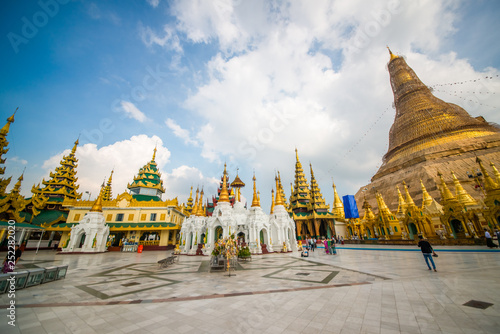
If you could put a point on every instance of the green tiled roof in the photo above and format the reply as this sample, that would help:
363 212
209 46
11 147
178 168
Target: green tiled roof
20 225
146 198
49 216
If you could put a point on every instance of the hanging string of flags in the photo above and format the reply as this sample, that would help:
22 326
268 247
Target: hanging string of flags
488 77
467 99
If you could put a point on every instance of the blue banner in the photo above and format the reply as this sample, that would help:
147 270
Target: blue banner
350 206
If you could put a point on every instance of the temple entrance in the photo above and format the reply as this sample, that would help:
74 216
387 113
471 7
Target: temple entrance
203 235
305 230
323 229
412 228
218 233
116 238
82 241
457 228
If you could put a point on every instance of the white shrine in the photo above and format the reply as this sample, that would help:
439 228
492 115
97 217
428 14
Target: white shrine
273 233
91 233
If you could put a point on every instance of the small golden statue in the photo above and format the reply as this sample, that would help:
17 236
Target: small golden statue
177 250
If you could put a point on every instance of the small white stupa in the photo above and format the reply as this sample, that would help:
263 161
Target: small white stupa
91 233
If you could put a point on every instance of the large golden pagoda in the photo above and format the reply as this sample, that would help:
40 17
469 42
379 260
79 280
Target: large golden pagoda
430 136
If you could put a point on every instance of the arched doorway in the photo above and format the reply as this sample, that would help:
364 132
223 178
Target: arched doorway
323 229
241 238
457 228
412 228
82 240
202 240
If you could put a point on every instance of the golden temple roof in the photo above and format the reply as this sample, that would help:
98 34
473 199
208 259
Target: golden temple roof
255 199
224 195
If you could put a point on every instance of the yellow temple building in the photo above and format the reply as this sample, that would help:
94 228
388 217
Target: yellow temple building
433 146
140 216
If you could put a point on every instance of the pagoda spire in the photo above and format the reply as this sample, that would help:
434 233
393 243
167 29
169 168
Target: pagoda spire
445 191
301 196
61 186
224 195
426 198
282 191
338 206
255 199
3 150
195 208
201 212
462 196
423 123
238 184
489 183
393 56
401 202
272 201
97 207
279 200
147 185
369 215
189 207
13 203
317 201
495 172
409 201
107 194
383 209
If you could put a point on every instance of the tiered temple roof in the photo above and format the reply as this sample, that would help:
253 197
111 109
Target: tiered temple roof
147 185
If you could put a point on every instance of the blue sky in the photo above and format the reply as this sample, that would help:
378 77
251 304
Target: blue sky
242 82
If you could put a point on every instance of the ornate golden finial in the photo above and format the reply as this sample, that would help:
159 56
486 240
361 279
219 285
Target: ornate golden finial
195 208
201 212
393 56
224 196
401 202
154 154
297 155
74 147
255 199
97 207
272 201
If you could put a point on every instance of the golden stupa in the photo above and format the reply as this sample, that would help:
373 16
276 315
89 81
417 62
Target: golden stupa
429 135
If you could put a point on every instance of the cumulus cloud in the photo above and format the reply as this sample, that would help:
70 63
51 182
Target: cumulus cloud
132 111
181 179
292 75
167 39
154 3
180 132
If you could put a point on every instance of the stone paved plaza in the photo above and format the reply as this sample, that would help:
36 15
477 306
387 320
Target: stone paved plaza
363 289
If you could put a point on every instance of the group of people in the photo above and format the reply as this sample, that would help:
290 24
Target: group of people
312 243
489 239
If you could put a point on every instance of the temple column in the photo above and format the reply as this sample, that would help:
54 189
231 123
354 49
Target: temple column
468 233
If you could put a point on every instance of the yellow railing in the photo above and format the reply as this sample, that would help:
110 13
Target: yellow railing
149 242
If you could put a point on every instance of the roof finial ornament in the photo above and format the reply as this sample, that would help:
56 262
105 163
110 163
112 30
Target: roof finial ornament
154 154
393 56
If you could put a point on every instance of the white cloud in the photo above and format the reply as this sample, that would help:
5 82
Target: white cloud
169 40
132 111
180 132
154 3
181 179
313 77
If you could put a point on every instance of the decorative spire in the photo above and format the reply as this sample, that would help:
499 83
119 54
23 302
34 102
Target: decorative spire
426 198
279 200
224 195
495 172
195 208
409 201
317 202
255 199
401 202
201 212
463 197
147 185
369 215
272 201
3 150
338 206
107 194
5 130
300 196
237 183
393 56
97 207
382 207
282 191
489 184
189 207
445 191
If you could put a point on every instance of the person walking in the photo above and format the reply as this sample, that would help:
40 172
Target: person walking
427 251
327 248
489 240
